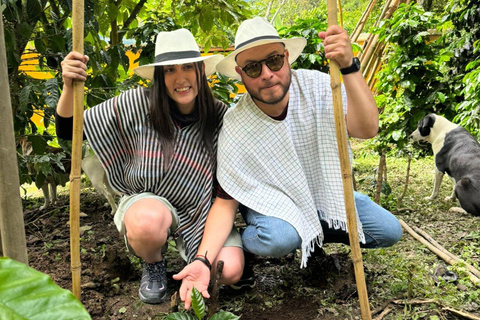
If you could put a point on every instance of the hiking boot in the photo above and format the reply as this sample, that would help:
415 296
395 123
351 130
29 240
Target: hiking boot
153 285
248 278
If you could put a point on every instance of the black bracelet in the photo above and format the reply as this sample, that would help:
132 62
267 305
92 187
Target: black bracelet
205 262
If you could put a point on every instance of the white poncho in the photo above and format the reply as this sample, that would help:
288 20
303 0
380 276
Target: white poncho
287 169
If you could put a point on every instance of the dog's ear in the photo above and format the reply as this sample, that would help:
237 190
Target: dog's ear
430 120
426 124
465 182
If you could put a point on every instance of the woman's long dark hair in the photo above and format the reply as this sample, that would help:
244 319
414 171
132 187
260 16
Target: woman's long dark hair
161 118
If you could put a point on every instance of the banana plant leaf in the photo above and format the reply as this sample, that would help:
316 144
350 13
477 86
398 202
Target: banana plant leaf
29 294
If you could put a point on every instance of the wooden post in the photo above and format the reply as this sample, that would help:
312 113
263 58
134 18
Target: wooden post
77 138
12 228
215 296
347 174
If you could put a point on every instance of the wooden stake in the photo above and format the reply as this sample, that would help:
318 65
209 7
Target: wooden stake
381 167
462 313
214 297
77 31
347 174
407 178
447 258
361 23
451 255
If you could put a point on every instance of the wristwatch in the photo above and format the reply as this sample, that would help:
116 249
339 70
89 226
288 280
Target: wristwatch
353 68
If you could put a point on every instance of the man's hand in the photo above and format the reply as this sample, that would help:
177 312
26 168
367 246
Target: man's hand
337 46
74 67
197 275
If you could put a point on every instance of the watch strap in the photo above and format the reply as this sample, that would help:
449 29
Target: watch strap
354 67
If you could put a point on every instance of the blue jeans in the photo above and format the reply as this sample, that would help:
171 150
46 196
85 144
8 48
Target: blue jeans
273 237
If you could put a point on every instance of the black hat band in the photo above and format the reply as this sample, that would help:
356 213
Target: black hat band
176 55
256 39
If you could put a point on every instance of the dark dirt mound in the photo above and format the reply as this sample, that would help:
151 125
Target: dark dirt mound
110 275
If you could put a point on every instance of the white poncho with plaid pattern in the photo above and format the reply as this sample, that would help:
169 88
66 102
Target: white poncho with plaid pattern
288 169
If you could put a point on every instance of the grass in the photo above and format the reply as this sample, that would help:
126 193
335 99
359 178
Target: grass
406 270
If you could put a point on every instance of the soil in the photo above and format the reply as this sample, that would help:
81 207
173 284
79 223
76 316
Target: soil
326 289
110 275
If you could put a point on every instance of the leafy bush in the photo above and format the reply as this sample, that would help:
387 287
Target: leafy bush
312 56
224 88
29 294
461 58
409 82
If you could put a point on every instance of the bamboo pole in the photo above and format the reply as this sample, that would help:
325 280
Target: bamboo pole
451 255
462 313
447 258
347 174
340 14
77 29
361 23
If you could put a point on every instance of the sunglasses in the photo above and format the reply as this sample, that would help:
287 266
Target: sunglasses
274 63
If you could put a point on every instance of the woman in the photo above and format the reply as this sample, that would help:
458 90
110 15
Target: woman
158 147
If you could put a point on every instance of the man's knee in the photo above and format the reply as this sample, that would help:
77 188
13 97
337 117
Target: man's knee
381 228
393 234
277 240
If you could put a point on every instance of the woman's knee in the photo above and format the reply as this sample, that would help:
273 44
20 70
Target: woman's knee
147 219
233 263
231 273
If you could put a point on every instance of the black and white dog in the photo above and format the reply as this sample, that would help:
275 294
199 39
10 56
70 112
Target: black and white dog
456 153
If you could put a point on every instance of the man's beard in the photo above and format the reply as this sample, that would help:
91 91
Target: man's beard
257 96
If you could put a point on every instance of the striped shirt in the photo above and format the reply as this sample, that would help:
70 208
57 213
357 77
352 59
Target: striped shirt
120 133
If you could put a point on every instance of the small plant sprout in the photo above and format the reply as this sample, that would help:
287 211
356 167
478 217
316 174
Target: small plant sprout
199 310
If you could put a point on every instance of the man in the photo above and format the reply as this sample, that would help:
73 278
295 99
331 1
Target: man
277 151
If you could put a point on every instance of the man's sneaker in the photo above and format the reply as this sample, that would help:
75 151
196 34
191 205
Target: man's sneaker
248 278
153 285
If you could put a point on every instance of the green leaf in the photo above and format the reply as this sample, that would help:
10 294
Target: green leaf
441 97
29 294
181 316
25 96
39 145
396 135
51 92
33 8
39 45
25 30
206 21
223 315
198 304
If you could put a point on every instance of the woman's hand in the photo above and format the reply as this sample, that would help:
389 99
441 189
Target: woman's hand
74 67
197 275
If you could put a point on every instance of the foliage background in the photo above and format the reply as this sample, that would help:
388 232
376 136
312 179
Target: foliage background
419 75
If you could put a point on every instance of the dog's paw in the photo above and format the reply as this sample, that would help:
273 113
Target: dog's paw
457 210
450 198
430 198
